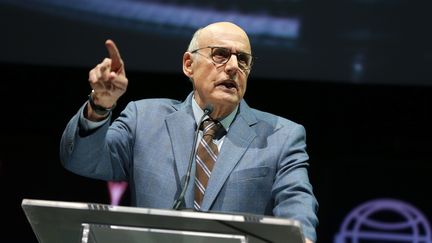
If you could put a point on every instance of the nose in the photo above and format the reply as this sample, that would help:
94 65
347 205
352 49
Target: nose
232 67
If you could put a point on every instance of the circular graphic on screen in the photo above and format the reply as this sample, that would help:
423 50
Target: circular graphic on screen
384 220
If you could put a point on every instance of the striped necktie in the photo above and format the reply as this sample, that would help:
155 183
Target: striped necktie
206 156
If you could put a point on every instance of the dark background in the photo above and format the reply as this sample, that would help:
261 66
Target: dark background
367 138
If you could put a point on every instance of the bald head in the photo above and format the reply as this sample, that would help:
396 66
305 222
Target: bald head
221 32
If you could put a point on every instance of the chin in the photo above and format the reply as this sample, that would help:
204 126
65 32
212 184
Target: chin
226 106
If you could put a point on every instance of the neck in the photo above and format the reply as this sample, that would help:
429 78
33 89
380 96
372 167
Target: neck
220 111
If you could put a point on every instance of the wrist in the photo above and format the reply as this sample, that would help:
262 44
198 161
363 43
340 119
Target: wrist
98 109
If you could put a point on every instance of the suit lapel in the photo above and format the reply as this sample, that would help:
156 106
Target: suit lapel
181 127
235 144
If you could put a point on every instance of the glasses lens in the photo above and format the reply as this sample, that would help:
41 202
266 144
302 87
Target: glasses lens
220 55
244 60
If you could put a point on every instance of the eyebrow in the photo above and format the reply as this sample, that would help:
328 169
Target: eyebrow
231 48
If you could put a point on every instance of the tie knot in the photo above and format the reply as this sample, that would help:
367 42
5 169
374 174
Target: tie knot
212 128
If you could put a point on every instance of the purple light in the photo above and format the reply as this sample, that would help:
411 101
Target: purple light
360 223
116 190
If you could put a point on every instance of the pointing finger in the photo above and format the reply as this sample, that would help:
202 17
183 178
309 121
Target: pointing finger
114 53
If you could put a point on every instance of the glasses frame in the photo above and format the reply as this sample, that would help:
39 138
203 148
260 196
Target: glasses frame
227 60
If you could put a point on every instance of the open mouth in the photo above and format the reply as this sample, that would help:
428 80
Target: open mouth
228 84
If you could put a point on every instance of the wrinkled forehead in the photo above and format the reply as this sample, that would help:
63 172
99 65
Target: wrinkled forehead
232 37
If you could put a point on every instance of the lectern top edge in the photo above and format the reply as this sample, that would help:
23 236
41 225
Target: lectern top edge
162 212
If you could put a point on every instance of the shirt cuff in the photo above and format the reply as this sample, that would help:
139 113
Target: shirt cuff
88 125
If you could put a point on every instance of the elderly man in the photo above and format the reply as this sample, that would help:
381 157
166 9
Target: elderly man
247 160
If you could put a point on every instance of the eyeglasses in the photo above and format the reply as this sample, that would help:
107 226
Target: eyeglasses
221 55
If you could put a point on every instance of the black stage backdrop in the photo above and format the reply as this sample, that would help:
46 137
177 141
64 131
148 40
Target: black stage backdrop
365 141
355 73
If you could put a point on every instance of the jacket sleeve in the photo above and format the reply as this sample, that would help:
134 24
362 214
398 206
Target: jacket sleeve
102 153
291 190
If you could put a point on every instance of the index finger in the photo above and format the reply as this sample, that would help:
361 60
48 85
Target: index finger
116 61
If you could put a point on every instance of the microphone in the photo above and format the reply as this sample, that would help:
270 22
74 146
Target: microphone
208 109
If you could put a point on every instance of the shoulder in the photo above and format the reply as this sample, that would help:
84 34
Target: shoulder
268 124
159 105
274 122
157 102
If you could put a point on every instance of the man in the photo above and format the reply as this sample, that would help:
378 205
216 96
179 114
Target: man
260 162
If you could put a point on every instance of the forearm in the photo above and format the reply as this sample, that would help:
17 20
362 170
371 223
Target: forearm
292 191
82 151
295 200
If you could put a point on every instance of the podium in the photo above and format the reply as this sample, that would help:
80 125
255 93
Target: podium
73 222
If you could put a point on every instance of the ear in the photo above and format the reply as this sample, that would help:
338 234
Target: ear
187 64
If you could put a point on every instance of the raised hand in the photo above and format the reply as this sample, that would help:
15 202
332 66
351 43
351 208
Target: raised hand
108 79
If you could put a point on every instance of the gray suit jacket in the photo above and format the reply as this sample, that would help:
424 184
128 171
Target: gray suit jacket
261 167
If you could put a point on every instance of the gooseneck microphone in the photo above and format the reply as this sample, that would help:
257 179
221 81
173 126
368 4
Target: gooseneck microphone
208 109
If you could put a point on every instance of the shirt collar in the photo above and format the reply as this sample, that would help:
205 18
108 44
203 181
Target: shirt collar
198 113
